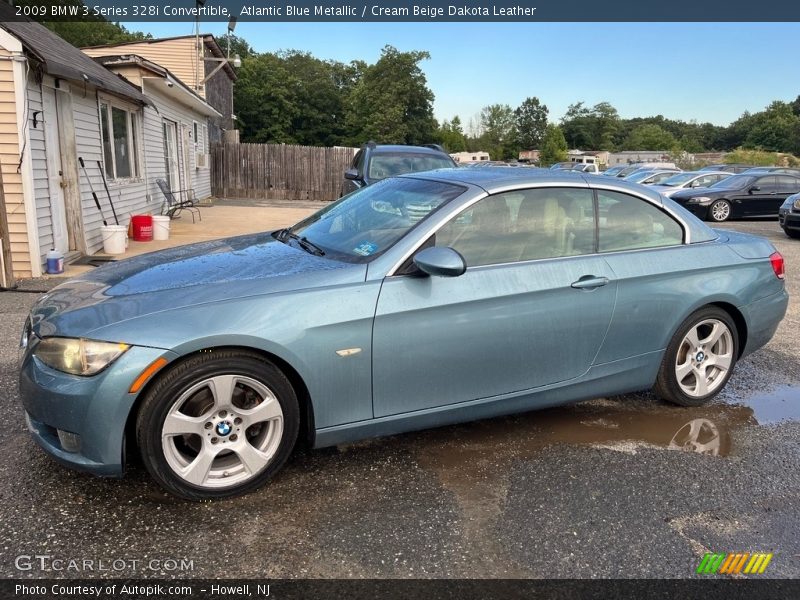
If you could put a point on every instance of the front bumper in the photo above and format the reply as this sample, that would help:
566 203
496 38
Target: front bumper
789 220
95 408
699 210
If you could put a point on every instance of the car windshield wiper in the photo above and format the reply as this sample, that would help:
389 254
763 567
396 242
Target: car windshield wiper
310 247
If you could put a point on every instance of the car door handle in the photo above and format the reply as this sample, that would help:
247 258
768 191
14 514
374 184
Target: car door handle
589 282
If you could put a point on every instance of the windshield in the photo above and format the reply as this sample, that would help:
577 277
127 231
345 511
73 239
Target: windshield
388 164
679 179
734 182
640 176
366 223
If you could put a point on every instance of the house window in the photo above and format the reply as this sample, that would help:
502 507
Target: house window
120 132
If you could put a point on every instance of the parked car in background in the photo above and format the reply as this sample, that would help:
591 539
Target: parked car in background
419 301
564 165
374 162
689 179
650 176
739 196
789 216
612 172
590 168
625 171
729 168
775 170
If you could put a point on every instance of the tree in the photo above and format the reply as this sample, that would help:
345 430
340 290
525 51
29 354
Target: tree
591 128
313 86
776 128
391 102
499 137
264 100
452 136
650 137
531 122
554 146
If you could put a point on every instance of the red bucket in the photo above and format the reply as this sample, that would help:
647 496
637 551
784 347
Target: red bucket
142 228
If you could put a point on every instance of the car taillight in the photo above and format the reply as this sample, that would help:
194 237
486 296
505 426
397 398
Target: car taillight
777 264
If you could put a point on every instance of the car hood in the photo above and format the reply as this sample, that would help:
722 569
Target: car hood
200 273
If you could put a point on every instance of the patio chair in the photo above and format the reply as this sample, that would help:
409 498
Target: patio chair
173 205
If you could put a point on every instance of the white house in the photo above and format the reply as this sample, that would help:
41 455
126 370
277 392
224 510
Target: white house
57 105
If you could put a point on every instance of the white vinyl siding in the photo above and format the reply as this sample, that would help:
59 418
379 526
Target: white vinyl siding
129 196
38 149
170 110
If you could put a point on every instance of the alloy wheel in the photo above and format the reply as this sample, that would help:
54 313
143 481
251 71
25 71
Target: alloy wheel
222 431
704 358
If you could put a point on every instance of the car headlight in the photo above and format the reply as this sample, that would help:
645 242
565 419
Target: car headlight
78 356
700 200
796 204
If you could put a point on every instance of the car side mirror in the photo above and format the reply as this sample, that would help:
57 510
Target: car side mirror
755 188
442 262
352 174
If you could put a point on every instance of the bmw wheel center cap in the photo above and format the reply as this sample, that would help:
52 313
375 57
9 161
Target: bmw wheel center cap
224 428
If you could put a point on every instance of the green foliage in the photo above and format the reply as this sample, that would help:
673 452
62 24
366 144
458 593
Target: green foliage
530 121
650 137
391 101
554 146
777 129
591 128
499 132
451 135
264 101
753 157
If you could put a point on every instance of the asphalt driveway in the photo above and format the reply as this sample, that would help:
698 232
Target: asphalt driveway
605 488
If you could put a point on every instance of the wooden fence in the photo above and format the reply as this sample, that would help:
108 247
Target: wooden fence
278 171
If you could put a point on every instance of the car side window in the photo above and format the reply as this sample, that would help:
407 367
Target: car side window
766 184
357 159
629 223
523 225
788 185
706 180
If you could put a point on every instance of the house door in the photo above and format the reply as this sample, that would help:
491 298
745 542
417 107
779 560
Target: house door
55 173
171 161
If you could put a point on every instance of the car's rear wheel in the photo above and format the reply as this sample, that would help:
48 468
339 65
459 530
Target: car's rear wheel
720 211
792 233
699 359
219 424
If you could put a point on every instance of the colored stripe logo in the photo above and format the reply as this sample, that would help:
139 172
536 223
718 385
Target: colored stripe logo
734 563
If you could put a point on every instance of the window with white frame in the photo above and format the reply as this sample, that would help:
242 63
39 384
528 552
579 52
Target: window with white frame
120 130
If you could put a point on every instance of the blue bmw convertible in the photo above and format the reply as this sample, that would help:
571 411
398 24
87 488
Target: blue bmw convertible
423 300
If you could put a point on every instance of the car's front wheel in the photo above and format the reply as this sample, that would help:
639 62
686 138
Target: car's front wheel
720 211
699 359
792 233
217 425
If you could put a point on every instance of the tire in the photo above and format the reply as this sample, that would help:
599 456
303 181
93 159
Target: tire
699 359
719 211
218 425
795 235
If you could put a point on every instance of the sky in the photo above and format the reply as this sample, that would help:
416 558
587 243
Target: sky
690 71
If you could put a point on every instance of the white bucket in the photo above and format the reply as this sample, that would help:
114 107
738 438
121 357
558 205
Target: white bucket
160 227
114 238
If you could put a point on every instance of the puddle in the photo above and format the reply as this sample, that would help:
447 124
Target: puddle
779 404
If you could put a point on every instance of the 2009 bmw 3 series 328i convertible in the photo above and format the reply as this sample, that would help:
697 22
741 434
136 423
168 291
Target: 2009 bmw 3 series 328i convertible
419 301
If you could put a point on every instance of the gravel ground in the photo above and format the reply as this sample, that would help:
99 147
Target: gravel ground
591 490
